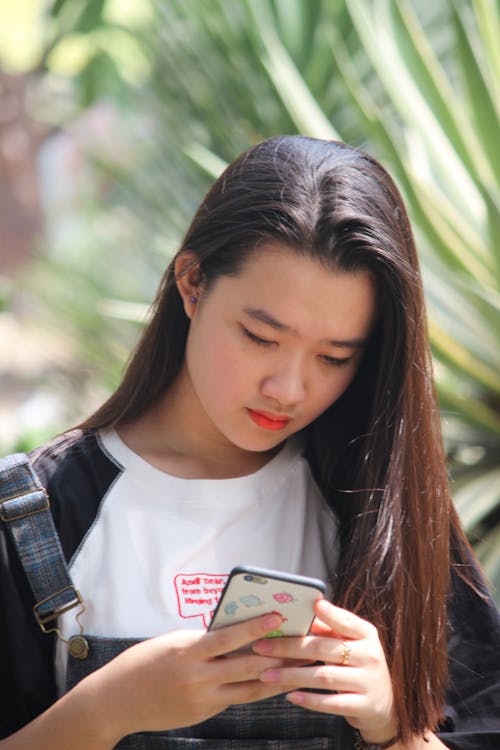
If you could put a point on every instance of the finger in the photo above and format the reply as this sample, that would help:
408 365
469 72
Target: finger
319 677
319 628
342 704
277 661
344 623
247 692
312 648
242 668
223 641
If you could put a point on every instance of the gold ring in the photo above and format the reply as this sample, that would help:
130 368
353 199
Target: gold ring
346 654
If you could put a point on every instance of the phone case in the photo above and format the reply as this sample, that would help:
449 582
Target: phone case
250 592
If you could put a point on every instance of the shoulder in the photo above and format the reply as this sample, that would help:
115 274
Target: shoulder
77 473
73 454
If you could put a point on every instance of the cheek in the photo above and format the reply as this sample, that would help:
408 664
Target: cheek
221 369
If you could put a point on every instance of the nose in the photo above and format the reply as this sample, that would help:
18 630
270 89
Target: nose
285 385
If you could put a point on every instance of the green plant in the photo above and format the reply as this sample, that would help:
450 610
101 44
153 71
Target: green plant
422 92
417 84
437 125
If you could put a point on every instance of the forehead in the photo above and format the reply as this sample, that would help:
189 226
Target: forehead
301 292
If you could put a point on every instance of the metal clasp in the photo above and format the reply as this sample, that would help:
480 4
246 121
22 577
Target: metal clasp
77 644
43 619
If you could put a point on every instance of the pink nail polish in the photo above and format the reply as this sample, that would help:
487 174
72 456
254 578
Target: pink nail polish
263 647
297 698
272 620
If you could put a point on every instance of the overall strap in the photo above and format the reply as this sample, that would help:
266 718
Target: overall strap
25 509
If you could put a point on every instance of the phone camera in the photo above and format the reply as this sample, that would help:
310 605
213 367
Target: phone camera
254 579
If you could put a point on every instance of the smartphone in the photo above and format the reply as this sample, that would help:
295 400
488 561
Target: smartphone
250 592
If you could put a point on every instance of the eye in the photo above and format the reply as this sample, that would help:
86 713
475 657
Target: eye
256 339
335 361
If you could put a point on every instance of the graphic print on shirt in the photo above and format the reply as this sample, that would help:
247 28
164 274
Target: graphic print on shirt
198 594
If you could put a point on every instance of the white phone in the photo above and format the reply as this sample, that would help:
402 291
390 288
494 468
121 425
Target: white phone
250 592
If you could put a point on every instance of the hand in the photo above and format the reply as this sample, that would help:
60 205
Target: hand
180 679
362 685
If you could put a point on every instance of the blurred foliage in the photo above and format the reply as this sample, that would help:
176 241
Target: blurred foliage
421 92
92 46
193 84
436 124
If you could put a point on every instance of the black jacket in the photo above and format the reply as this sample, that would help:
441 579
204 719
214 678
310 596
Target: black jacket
77 474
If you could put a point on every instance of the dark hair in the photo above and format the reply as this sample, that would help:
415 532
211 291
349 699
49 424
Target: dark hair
376 452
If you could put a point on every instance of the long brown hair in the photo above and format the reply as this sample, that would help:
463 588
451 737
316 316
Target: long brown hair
377 452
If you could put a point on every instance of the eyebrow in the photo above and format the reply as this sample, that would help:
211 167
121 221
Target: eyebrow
264 317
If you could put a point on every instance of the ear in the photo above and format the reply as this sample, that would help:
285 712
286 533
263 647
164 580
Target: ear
188 280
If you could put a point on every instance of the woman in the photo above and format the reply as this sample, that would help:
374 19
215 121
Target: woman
278 411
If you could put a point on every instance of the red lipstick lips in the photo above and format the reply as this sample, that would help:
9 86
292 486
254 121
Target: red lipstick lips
268 421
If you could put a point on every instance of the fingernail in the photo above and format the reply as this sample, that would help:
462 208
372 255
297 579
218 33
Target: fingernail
270 675
297 698
263 647
272 620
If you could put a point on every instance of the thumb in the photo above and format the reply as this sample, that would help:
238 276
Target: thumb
318 627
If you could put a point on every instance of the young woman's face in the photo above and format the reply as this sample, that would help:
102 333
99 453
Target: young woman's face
270 349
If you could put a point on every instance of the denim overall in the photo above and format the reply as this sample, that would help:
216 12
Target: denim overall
24 506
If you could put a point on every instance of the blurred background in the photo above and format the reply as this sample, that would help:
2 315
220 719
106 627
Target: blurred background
116 116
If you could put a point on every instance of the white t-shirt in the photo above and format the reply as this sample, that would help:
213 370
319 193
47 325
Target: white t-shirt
160 549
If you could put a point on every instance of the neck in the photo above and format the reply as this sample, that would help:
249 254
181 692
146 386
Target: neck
170 437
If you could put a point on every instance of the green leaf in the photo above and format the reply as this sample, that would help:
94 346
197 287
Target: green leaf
458 356
297 23
488 20
486 300
488 553
459 245
99 77
447 167
494 228
291 87
472 410
483 113
91 16
477 497
206 159
469 319
293 90
57 6
135 312
428 76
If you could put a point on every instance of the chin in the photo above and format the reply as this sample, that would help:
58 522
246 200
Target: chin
260 443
